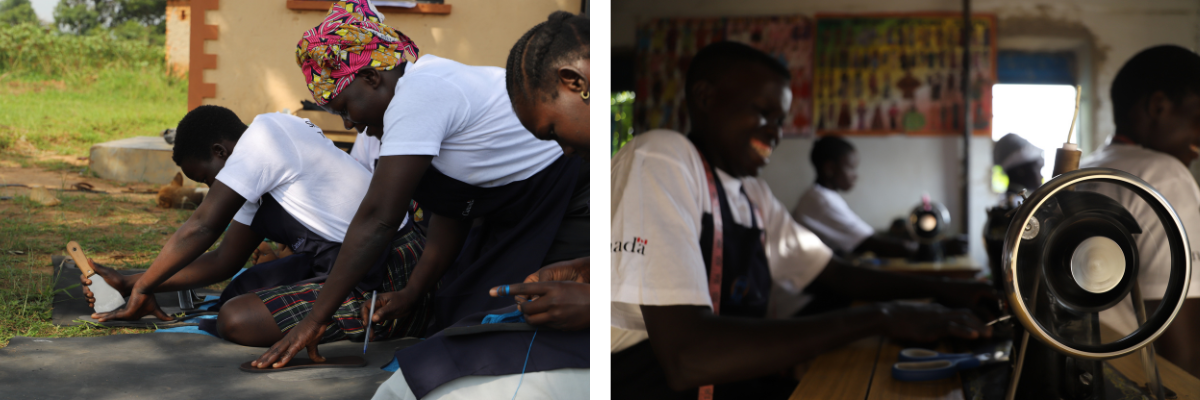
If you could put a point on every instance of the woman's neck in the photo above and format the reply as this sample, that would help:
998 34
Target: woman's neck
706 150
826 182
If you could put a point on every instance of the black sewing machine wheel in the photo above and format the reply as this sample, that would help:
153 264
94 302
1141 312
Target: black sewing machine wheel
1070 253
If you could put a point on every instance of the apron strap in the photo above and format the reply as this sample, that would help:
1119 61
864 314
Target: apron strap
718 250
755 216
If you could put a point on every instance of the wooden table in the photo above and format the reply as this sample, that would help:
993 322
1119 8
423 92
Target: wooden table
959 267
863 370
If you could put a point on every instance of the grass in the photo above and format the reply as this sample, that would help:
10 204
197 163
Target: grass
63 93
123 232
59 95
69 118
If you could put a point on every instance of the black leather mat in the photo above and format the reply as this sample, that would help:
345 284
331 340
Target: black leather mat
71 308
177 366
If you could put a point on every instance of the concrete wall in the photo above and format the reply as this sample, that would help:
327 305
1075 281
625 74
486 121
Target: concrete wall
179 32
897 169
256 49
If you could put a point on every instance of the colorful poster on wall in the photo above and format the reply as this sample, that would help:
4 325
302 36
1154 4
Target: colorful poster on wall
666 46
901 73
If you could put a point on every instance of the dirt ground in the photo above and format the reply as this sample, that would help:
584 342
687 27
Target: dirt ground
12 173
117 223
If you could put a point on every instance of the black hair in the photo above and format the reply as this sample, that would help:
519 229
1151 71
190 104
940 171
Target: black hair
829 148
1170 69
715 59
562 38
201 128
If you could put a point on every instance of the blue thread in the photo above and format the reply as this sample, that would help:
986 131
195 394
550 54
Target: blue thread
519 381
514 316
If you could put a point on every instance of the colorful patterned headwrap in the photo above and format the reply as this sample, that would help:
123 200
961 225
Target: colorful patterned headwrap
351 37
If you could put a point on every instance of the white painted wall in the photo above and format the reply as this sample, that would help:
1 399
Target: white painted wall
893 173
896 170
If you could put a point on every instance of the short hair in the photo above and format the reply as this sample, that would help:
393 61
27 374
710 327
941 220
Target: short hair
829 148
201 128
716 59
1171 69
562 38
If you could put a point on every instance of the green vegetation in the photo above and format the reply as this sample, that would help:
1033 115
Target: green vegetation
622 123
60 93
14 12
143 20
122 232
63 93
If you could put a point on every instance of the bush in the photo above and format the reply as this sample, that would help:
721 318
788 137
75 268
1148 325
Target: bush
29 49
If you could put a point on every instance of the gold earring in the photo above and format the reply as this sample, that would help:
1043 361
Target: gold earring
585 95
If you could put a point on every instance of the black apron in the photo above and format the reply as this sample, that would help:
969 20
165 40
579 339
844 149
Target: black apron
520 222
312 259
440 358
745 291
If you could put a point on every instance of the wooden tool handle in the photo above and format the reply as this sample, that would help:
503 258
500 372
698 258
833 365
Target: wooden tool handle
81 260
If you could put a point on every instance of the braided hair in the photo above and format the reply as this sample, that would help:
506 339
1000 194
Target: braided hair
562 38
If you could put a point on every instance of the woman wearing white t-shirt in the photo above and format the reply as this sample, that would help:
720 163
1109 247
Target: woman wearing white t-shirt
452 142
282 179
547 80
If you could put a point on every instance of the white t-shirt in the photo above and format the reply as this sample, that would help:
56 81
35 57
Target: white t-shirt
290 158
365 151
461 115
1173 180
826 213
659 194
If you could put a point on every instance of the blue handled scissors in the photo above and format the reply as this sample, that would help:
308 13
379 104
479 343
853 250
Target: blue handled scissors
929 365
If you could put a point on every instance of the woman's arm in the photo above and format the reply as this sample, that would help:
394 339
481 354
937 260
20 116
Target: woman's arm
218 265
196 235
374 225
211 267
867 284
697 348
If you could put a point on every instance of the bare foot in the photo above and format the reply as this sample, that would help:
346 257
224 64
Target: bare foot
264 253
284 251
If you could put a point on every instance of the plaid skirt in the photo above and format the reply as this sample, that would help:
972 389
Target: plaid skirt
289 304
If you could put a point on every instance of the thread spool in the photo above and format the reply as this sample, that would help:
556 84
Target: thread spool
1066 159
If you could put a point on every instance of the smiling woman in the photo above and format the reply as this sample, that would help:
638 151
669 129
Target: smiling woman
752 103
710 243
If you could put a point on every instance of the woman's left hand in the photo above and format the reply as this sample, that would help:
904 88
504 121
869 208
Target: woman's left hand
559 305
577 270
304 335
136 306
980 297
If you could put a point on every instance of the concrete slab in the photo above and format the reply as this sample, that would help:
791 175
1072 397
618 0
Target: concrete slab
177 366
136 159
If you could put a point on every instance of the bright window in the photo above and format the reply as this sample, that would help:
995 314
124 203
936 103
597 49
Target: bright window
1039 113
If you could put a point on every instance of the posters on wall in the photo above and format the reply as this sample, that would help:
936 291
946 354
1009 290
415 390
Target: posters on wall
666 46
901 73
851 74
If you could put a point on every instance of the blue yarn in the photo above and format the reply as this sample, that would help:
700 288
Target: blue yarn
519 381
184 329
514 316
